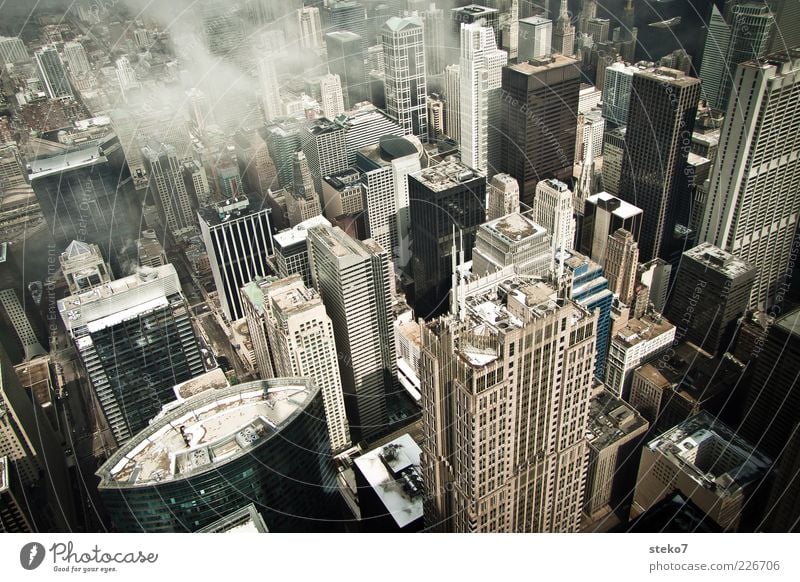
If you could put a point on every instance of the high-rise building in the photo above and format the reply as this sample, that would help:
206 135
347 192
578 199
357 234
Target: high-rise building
754 192
603 215
346 59
262 442
52 73
331 96
535 38
126 76
614 153
283 140
475 14
385 168
324 145
621 265
564 32
512 240
14 513
346 15
12 170
640 340
598 29
238 238
83 267
503 196
480 67
552 208
510 31
653 175
404 61
136 341
18 311
291 250
437 33
436 117
514 459
447 200
299 341
269 88
75 56
12 50
711 292
539 102
223 29
168 188
302 198
452 95
310 27
714 467
350 275
365 127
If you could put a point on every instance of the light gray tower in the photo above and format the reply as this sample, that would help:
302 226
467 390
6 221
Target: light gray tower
52 73
404 62
168 188
564 33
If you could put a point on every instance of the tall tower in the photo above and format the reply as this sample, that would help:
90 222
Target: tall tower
126 76
754 191
238 239
350 275
136 341
452 95
653 176
346 59
299 342
621 265
53 74
168 187
330 88
481 68
553 209
269 88
75 56
302 201
404 61
503 196
310 27
505 409
564 33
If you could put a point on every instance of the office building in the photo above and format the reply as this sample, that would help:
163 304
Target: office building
564 32
589 133
540 99
345 15
269 88
712 290
599 29
503 196
325 149
149 251
405 81
614 433
136 341
310 27
656 275
452 95
390 488
437 33
385 168
76 59
222 28
126 77
653 175
346 59
14 513
535 38
475 14
52 73
302 198
706 461
447 200
262 442
516 461
12 50
365 127
603 215
283 140
754 191
168 188
291 250
238 238
259 173
480 67
83 267
621 265
617 85
513 240
553 209
342 194
18 311
299 342
639 341
331 96
12 170
436 117
246 520
614 154
350 274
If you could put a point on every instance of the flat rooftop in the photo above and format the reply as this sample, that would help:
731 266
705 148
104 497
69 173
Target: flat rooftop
64 162
790 322
643 329
245 520
212 380
514 227
395 475
617 206
445 175
712 454
718 260
298 233
669 76
610 420
544 64
207 431
231 208
340 244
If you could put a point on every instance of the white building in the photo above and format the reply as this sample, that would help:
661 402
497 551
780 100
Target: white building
553 209
332 98
535 38
308 23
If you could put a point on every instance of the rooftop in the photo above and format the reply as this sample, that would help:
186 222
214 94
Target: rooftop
299 232
245 520
712 454
617 206
669 76
395 475
712 257
644 329
514 227
343 245
790 322
4 475
611 419
212 380
476 9
207 431
70 160
448 174
545 64
225 210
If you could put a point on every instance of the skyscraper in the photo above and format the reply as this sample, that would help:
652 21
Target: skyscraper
447 200
18 311
754 192
512 240
75 56
299 342
653 176
168 188
535 38
331 96
346 59
350 275
126 76
325 149
346 15
84 267
136 341
552 208
52 73
476 14
603 215
12 50
515 461
564 33
452 95
262 442
480 79
621 265
404 61
238 238
310 27
539 102
269 88
503 196
302 198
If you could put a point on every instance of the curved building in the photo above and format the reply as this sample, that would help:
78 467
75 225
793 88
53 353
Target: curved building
262 442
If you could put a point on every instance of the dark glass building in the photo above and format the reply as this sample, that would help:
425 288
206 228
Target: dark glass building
346 59
262 442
